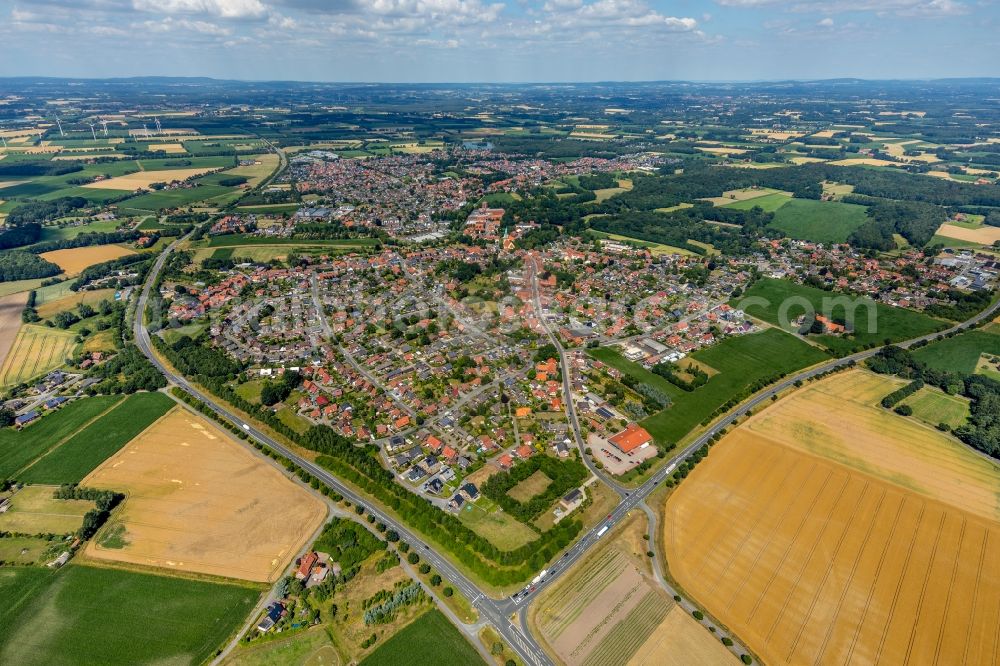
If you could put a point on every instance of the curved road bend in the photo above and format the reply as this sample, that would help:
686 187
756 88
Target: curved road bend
564 368
499 611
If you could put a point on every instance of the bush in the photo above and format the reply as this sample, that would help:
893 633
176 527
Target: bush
698 615
904 410
727 641
412 558
448 592
746 659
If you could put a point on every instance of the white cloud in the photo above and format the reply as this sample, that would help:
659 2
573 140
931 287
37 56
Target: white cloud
826 23
617 13
229 9
182 25
881 7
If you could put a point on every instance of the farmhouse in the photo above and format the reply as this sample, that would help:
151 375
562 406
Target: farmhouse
306 565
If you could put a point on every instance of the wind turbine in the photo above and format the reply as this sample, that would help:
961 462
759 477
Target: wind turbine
157 120
104 123
61 133
4 142
145 130
92 131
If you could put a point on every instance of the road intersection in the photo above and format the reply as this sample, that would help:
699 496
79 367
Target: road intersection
499 612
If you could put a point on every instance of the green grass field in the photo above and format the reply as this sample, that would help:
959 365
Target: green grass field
887 323
768 203
88 615
945 241
959 353
741 361
156 201
501 529
270 209
934 406
71 461
818 221
303 648
430 639
250 390
610 356
26 550
62 233
19 448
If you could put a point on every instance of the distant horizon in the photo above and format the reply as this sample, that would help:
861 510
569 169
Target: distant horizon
222 79
516 41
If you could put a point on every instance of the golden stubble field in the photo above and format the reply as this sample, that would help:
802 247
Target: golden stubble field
985 235
36 350
826 530
143 179
197 501
74 260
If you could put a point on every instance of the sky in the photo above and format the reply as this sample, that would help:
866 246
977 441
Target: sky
501 40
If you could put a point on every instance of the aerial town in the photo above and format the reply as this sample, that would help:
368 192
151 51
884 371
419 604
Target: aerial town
511 376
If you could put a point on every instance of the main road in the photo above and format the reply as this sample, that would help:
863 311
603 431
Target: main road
498 612
493 611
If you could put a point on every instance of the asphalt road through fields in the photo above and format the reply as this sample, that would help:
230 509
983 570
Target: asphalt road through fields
498 612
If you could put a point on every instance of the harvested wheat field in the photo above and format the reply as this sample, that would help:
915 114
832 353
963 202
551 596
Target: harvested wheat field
10 321
721 150
608 610
802 159
866 161
74 260
174 148
985 235
198 501
36 350
820 532
143 179
681 641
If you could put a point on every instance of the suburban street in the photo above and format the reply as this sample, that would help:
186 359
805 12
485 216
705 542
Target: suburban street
567 387
498 612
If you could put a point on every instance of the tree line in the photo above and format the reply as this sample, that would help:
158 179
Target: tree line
564 476
982 431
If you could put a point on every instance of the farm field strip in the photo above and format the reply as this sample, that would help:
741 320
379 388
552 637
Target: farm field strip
143 179
74 260
20 448
680 641
985 235
73 459
10 321
36 350
144 618
616 648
